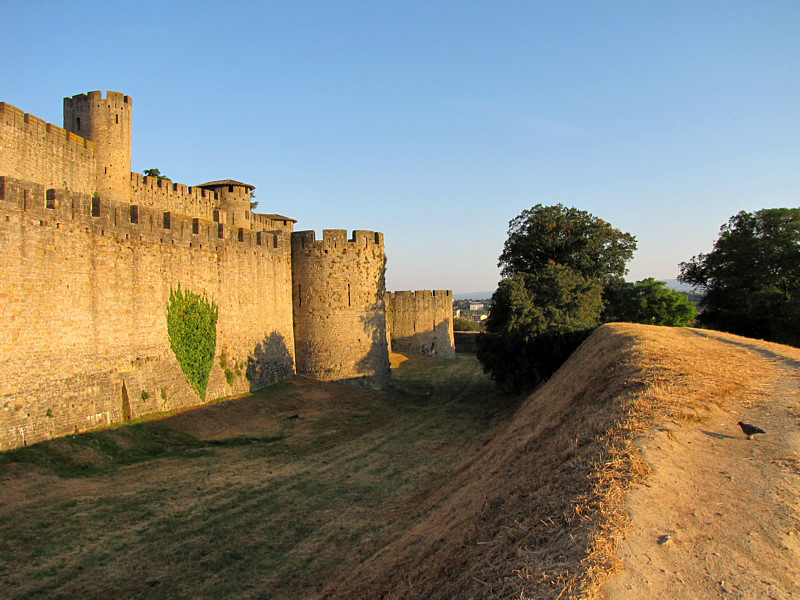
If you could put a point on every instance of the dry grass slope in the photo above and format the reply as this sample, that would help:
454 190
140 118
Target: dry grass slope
537 512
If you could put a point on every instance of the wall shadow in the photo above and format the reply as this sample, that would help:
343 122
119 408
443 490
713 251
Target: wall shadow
375 363
435 342
269 362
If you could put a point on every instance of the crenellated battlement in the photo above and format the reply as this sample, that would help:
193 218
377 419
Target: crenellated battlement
421 321
178 197
34 150
336 238
446 295
63 209
31 125
115 99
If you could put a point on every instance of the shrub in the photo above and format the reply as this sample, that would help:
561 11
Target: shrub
465 325
192 330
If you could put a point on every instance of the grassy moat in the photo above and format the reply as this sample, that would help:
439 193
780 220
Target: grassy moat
274 494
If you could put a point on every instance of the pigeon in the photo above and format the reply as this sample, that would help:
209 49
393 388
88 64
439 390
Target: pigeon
750 430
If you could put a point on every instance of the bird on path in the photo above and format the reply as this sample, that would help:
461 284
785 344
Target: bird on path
750 430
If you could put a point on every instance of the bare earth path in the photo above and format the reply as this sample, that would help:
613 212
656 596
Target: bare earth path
730 506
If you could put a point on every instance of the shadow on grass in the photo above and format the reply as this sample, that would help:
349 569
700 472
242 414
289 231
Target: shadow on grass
88 454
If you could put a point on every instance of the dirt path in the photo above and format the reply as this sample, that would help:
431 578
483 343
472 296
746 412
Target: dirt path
730 506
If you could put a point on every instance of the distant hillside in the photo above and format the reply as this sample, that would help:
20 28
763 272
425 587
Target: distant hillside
676 285
473 296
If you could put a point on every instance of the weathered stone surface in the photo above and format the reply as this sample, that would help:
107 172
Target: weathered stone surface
83 311
421 322
89 252
339 314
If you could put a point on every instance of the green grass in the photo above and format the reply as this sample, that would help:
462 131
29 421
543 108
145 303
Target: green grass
274 508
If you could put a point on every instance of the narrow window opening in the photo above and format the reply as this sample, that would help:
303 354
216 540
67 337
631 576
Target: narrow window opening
230 188
105 170
117 119
219 231
50 196
126 404
195 226
167 220
216 215
348 295
300 295
78 124
258 238
241 234
134 214
247 215
95 207
274 240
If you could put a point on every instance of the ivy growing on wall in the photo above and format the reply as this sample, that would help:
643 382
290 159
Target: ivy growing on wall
192 330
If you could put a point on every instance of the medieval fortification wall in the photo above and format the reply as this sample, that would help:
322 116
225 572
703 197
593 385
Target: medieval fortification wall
421 322
90 252
85 286
40 152
338 298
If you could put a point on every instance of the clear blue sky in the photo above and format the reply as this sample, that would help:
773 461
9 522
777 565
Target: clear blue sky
438 122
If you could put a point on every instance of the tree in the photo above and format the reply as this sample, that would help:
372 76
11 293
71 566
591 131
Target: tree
556 263
155 173
565 236
647 301
253 201
751 278
465 325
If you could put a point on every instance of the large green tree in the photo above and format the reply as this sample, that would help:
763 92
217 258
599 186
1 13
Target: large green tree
647 301
751 278
545 235
556 263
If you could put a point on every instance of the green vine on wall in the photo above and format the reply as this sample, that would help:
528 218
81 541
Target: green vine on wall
192 330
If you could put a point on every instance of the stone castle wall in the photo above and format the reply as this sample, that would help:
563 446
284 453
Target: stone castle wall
421 322
33 150
89 252
84 289
339 315
174 197
106 121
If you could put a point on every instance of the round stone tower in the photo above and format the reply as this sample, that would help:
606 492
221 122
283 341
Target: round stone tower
339 313
234 200
107 123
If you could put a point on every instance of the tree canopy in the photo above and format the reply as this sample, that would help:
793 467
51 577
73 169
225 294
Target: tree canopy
751 278
647 301
547 235
556 263
154 173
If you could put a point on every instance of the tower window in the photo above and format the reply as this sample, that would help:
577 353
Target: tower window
117 118
78 123
230 188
